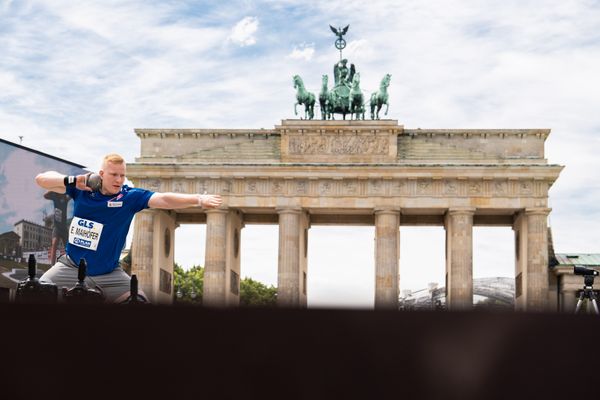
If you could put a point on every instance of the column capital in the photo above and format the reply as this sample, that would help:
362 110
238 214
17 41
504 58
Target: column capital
289 210
150 211
386 210
461 211
220 210
537 211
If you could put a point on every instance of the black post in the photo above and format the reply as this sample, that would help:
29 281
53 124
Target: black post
32 266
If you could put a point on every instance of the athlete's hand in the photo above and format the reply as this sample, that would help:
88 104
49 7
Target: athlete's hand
209 200
81 182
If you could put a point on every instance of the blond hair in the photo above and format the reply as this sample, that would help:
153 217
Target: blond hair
113 158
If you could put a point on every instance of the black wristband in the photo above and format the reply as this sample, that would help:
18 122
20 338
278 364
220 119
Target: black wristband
70 180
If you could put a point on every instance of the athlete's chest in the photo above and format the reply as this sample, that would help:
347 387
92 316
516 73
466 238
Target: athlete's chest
102 206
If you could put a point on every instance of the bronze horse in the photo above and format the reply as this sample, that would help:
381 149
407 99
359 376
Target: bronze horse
379 98
304 97
356 99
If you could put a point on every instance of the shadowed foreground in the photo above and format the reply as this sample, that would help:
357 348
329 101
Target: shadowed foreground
193 352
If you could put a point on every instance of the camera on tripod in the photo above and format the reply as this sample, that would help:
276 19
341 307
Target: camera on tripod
587 293
579 270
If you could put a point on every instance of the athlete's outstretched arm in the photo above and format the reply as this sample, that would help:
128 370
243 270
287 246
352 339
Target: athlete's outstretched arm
55 181
170 201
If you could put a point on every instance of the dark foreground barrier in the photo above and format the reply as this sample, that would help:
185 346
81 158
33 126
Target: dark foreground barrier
66 351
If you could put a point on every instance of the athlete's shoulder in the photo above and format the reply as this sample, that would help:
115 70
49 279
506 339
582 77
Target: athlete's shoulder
136 193
128 189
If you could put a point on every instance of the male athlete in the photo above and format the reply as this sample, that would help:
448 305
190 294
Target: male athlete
101 220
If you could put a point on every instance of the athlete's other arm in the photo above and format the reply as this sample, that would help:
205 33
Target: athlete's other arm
55 181
171 201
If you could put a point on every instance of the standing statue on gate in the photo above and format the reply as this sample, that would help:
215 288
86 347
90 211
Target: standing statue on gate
339 96
304 97
343 75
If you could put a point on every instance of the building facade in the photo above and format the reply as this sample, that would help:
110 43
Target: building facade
33 237
10 246
377 173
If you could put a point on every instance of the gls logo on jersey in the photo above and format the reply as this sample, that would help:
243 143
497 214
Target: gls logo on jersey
85 223
85 233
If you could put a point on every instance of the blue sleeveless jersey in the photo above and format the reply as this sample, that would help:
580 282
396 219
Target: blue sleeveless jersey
100 224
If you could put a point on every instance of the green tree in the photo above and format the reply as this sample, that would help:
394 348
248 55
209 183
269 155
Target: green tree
189 287
189 284
257 294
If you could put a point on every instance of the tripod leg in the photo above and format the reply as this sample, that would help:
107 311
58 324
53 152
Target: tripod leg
579 302
595 306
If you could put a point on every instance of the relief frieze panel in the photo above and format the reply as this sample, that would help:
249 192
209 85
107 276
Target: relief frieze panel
326 188
251 187
500 188
180 186
424 187
301 187
349 187
277 187
201 186
226 187
339 145
450 188
475 188
154 185
376 187
526 188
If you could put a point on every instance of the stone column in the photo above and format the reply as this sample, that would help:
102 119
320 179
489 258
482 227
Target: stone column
291 279
520 228
235 224
215 264
531 275
142 249
222 258
163 257
459 258
568 301
537 259
303 277
387 256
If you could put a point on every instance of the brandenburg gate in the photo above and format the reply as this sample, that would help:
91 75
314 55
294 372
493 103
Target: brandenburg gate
339 172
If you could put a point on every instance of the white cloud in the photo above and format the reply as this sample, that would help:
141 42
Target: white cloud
243 32
5 5
359 50
303 52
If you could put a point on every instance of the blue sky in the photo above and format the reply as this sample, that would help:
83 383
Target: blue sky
78 77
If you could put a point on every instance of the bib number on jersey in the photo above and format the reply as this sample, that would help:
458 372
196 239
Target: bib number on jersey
85 233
